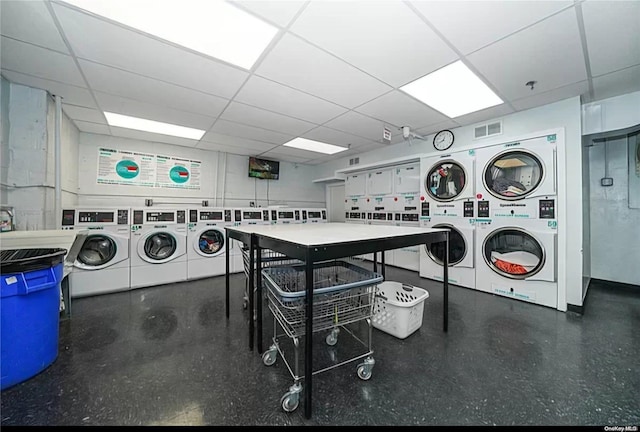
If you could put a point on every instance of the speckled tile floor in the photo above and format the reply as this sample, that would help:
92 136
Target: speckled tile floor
167 356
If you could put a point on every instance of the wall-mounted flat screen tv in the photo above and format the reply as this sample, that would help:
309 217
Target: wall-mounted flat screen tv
264 169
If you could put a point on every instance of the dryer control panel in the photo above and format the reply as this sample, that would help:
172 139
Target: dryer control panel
483 209
468 209
424 209
547 209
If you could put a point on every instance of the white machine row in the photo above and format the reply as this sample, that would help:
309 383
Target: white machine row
135 248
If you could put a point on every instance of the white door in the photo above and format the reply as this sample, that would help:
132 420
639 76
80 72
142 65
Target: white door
335 202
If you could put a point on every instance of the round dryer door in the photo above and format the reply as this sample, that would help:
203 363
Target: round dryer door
210 243
513 175
457 247
513 252
160 246
446 180
97 250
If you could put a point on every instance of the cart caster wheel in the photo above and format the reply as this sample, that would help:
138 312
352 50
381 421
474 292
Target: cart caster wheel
365 369
332 338
290 401
364 373
269 357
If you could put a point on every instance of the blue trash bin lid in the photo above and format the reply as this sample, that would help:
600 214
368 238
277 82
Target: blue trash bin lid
25 260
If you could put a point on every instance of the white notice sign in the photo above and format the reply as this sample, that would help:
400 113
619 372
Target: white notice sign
126 167
174 172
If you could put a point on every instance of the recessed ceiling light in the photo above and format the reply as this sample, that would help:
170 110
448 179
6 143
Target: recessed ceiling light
314 146
453 90
215 28
128 122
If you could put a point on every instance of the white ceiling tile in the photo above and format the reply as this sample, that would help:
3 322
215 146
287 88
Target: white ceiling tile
401 110
295 152
70 94
94 39
358 124
130 107
43 63
278 12
384 38
611 29
239 150
234 141
243 131
332 136
617 83
83 114
287 157
485 114
549 52
297 64
275 97
551 96
30 21
246 114
470 25
94 128
153 137
121 83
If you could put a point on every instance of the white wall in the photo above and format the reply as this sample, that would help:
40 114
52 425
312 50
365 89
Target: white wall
28 153
4 143
294 188
615 228
564 115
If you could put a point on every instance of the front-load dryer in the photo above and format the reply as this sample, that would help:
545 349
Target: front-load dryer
448 184
461 252
315 215
518 180
102 264
518 261
206 242
158 247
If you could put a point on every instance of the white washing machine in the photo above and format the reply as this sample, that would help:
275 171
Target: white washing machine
253 216
287 216
102 265
407 257
379 218
315 215
517 180
158 247
462 271
206 239
518 262
406 188
380 196
448 184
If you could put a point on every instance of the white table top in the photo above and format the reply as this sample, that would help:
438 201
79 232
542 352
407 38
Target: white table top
332 233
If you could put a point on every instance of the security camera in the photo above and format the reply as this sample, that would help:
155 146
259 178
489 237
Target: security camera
406 131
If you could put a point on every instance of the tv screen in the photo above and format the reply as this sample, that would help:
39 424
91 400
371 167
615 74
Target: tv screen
264 169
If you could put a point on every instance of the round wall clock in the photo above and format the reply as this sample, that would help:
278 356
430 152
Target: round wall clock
443 140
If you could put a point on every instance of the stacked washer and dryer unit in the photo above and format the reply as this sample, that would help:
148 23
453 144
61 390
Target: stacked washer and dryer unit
500 204
516 241
448 201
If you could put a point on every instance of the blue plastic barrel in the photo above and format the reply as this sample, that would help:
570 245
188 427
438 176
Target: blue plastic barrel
30 311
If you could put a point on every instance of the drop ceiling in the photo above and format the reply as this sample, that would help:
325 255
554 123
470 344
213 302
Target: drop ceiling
331 74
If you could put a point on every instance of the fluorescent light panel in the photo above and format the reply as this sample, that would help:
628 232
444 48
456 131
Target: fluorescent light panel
453 90
215 28
314 146
128 122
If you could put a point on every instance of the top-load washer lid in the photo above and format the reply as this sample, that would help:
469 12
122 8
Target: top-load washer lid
513 252
446 180
97 250
210 242
514 174
160 246
457 247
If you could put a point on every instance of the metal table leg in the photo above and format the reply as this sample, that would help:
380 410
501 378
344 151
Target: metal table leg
308 337
251 287
259 297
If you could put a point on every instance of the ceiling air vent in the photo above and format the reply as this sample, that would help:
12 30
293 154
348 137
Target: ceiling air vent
354 161
487 130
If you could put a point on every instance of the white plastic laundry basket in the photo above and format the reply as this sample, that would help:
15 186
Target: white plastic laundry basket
398 308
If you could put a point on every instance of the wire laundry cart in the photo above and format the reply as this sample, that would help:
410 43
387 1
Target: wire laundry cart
343 293
269 259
